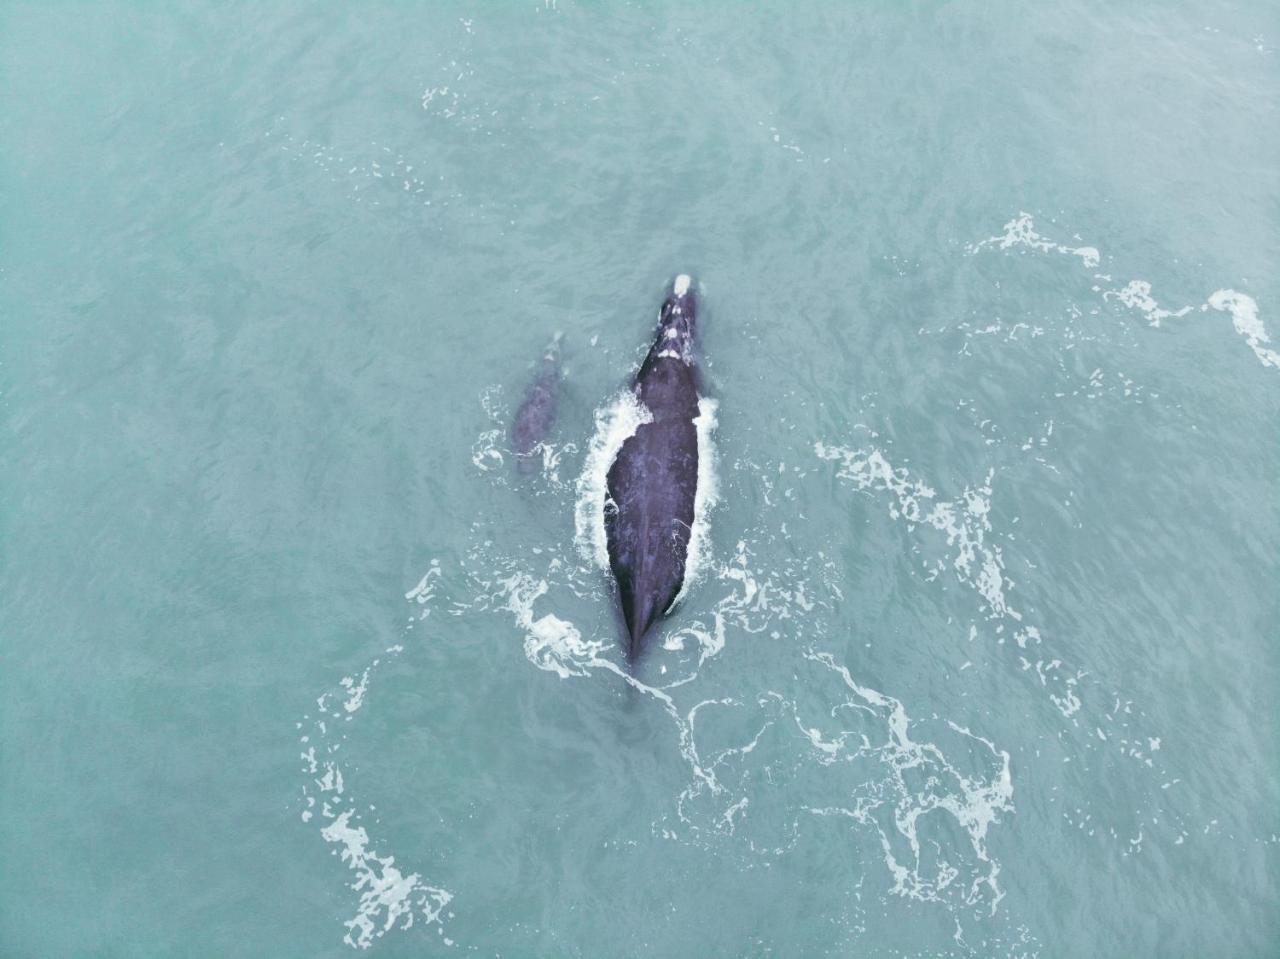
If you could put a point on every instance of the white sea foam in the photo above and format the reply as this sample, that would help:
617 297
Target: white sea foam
616 422
705 498
965 523
977 562
896 806
847 750
890 779
551 459
1021 231
557 646
487 453
1137 296
355 690
367 177
550 643
425 591
1244 317
388 897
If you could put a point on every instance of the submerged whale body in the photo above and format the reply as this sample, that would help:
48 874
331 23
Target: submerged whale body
649 510
537 413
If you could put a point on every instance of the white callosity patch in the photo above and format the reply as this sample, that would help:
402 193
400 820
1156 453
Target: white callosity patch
1244 317
389 898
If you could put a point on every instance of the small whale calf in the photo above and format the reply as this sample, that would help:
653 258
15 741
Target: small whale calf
537 413
652 483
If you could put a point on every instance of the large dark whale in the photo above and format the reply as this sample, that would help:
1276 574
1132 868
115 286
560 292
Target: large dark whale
648 513
537 413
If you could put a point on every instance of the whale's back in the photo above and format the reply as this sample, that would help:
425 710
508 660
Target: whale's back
652 487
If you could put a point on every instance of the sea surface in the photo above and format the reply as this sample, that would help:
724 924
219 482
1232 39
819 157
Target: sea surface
982 653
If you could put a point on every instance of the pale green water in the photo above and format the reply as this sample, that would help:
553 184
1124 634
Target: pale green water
983 660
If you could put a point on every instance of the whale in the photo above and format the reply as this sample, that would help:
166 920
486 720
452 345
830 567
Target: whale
536 414
653 481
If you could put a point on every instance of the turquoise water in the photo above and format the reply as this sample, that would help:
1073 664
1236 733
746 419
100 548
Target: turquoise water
982 658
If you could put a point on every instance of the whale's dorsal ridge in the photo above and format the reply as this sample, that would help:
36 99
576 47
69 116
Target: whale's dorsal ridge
652 483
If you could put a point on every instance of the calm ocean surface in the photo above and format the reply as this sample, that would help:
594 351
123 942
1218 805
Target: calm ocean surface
982 658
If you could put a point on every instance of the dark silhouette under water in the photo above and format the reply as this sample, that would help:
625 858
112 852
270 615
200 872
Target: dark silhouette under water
536 416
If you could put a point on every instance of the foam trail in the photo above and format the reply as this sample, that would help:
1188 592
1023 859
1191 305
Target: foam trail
731 766
979 564
616 422
1021 231
557 646
487 452
885 780
705 498
1136 294
551 456
389 898
550 643
975 805
1244 317
966 526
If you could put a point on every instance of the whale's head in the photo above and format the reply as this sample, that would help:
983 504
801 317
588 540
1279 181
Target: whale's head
680 310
